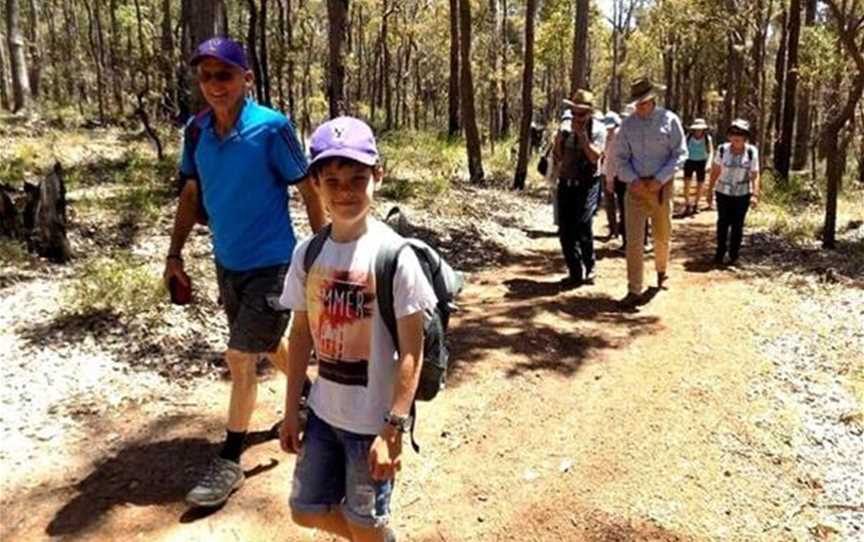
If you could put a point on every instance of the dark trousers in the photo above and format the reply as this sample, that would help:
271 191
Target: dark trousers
731 211
620 191
577 204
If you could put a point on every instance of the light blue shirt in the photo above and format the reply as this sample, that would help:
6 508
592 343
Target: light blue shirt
652 147
244 180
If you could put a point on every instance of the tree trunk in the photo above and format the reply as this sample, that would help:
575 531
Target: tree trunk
291 63
505 97
17 60
784 145
114 55
779 82
527 94
264 61
201 20
252 49
831 130
166 61
4 88
453 126
495 83
35 64
469 115
579 68
337 13
669 72
803 125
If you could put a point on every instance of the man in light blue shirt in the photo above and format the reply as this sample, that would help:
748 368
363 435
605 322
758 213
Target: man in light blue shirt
649 150
239 159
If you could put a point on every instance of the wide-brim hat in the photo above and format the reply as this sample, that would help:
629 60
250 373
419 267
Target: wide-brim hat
699 124
739 127
581 99
644 89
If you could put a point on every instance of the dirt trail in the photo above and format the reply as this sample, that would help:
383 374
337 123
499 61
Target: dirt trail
566 419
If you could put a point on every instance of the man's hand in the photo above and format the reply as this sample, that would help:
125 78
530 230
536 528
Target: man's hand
174 269
385 454
289 433
653 185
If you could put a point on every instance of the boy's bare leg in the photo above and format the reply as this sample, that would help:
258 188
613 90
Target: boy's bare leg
687 181
279 357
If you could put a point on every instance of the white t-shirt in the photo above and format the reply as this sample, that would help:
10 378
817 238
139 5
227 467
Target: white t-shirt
735 169
356 354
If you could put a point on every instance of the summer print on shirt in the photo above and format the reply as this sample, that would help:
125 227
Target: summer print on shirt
341 305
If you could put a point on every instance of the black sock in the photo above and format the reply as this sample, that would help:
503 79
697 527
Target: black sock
233 446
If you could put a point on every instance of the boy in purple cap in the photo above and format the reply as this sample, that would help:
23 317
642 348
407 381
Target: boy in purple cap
238 161
361 401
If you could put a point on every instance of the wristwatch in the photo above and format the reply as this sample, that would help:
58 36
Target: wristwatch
400 423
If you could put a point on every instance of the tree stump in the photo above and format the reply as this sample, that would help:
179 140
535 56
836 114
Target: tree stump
8 215
45 217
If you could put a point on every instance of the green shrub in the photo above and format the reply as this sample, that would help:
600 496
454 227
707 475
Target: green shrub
119 284
12 252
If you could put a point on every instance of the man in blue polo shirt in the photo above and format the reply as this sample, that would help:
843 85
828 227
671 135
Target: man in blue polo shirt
239 159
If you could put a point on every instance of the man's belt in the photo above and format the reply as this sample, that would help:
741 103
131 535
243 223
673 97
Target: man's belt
574 183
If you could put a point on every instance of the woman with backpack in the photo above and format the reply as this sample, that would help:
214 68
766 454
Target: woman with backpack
699 151
735 172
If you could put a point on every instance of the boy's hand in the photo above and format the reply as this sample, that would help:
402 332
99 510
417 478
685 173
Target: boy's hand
385 455
289 433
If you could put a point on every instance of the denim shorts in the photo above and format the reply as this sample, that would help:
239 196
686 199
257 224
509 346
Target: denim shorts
249 299
332 471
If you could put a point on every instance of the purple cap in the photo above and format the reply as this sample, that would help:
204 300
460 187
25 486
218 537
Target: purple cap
224 49
344 137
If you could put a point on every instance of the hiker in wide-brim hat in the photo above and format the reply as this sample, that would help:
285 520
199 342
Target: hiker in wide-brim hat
643 90
576 154
650 148
700 148
735 172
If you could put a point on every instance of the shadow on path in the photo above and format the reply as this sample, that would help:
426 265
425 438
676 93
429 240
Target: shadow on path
145 473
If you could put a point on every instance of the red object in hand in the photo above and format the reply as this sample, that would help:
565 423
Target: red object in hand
181 293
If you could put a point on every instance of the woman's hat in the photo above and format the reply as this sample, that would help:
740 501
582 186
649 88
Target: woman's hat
644 89
582 99
699 124
739 127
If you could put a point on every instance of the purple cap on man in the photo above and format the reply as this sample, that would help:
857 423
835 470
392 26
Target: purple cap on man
224 49
344 137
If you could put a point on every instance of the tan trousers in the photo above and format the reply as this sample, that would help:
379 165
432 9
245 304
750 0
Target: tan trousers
658 208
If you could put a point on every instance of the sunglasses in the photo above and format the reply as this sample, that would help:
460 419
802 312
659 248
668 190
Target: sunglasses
222 76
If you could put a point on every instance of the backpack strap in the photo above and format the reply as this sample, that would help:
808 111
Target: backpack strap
386 263
315 246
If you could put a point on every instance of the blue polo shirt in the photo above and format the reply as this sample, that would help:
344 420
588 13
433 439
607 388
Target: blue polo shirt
244 180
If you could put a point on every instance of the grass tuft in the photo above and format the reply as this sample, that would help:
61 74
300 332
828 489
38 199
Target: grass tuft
120 284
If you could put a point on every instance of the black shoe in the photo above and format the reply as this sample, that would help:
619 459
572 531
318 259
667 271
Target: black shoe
571 282
662 277
718 260
590 276
631 301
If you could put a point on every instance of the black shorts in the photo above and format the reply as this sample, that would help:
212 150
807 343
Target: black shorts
249 298
697 167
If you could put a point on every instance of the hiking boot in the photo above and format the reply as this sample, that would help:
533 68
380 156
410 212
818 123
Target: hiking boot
662 277
590 276
631 301
571 282
222 478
